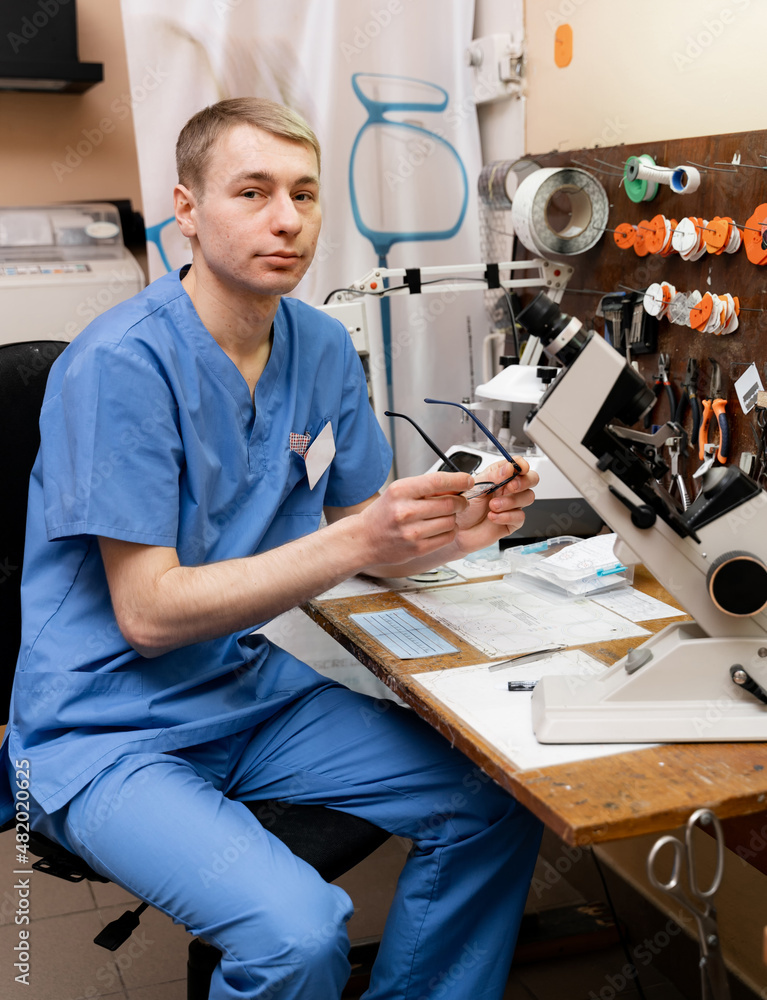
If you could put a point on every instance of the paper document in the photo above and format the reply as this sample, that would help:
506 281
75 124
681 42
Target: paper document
503 619
481 699
584 558
355 586
636 606
402 634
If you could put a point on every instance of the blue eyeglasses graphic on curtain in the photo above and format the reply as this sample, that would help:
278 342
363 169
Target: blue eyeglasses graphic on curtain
172 246
159 234
406 182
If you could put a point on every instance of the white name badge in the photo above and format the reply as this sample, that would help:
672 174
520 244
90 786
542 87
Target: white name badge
320 455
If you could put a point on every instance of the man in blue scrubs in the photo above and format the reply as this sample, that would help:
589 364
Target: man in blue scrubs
191 439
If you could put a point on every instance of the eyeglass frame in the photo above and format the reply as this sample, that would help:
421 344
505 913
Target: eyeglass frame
478 489
152 235
383 240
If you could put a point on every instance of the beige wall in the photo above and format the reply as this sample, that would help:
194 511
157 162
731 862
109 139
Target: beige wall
643 72
40 162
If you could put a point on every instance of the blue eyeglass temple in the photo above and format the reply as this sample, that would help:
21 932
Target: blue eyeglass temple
485 431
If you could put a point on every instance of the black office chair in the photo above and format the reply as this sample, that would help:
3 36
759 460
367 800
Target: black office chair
331 841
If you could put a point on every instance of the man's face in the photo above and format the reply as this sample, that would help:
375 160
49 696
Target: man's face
257 223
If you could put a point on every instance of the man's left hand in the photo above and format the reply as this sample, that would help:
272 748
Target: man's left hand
488 518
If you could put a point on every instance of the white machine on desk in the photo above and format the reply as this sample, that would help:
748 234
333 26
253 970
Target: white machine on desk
696 681
559 507
60 267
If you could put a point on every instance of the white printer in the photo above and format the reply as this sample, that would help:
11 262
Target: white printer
60 267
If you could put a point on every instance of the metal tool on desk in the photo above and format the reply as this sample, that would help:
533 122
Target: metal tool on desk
697 900
712 558
715 404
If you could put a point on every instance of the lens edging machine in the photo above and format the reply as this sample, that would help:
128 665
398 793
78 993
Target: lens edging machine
697 681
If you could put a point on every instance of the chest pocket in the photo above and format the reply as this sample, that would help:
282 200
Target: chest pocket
296 496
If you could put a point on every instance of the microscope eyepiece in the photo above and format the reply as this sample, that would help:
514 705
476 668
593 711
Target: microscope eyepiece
543 318
562 336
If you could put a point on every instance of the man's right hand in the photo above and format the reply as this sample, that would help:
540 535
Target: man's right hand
162 605
412 518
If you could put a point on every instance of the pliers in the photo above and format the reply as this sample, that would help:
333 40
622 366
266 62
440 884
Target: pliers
689 395
676 446
662 381
717 405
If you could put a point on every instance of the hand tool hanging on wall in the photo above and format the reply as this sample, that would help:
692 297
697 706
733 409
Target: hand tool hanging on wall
689 397
662 382
715 404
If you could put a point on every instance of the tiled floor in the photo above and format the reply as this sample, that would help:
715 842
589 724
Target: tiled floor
66 965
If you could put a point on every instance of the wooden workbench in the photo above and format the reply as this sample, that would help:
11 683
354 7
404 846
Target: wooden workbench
590 801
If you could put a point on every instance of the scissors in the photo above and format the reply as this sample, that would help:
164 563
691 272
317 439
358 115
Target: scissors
712 970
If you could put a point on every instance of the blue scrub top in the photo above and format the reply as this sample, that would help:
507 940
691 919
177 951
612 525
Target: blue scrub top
149 434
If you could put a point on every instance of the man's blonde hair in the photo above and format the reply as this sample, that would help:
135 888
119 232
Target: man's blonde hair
204 129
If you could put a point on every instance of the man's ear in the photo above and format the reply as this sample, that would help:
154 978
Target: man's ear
184 204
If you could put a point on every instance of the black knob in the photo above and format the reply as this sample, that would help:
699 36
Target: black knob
642 515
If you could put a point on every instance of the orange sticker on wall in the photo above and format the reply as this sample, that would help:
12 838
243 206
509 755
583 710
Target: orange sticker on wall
563 45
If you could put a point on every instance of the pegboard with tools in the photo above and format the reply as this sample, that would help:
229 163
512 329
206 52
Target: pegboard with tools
670 265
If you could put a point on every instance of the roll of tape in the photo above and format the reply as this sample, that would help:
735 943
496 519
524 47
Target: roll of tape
685 180
499 180
637 187
559 210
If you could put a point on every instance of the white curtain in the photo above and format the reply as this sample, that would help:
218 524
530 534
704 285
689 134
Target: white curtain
390 77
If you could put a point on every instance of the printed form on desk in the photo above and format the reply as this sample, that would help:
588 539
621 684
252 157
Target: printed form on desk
505 619
481 699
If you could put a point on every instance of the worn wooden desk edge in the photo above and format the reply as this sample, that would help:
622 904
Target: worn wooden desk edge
540 789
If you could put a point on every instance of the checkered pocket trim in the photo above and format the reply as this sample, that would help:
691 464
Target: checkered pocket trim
300 443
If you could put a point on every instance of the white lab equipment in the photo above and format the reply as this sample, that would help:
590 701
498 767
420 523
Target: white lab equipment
694 681
60 267
559 507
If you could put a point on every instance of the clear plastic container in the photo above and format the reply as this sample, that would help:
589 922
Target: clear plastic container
571 565
60 233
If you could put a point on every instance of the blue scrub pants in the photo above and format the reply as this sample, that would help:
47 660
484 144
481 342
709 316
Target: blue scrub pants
170 829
